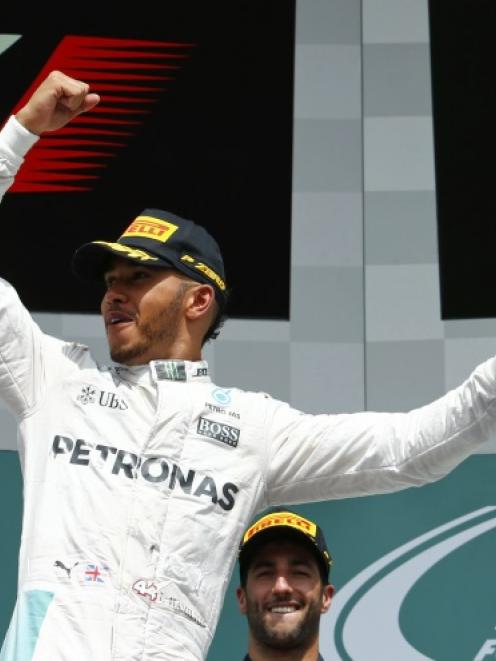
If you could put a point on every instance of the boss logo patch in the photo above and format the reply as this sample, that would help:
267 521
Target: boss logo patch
218 431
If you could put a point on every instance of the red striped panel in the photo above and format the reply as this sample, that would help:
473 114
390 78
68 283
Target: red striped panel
126 66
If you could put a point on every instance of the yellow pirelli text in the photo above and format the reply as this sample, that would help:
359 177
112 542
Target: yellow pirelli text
151 228
282 519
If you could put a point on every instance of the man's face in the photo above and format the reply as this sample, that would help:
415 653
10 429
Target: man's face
284 596
143 311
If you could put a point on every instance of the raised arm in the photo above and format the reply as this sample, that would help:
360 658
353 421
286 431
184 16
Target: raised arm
52 105
55 102
24 350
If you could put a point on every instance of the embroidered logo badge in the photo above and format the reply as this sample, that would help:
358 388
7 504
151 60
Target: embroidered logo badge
222 396
218 431
151 228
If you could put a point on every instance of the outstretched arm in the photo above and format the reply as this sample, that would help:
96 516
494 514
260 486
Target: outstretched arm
55 102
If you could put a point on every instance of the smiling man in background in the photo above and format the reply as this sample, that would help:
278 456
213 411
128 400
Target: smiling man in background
284 567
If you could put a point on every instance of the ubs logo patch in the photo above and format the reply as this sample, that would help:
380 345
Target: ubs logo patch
90 395
218 431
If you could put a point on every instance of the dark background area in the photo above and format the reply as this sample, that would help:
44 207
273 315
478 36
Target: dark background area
464 108
217 148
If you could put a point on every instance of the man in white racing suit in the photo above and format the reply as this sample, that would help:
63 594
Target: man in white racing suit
133 508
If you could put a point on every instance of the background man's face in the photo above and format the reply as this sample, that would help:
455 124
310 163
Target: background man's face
284 596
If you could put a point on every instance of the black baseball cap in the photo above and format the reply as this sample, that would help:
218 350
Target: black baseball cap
161 239
289 524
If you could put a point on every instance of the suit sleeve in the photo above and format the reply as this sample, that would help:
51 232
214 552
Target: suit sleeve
15 142
22 354
321 457
22 344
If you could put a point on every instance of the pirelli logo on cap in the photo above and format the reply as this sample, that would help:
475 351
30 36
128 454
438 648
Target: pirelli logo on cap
210 273
151 228
281 519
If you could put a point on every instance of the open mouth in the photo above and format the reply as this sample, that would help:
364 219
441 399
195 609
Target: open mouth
118 318
282 610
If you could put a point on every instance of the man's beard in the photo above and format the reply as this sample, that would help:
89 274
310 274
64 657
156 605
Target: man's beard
161 329
302 633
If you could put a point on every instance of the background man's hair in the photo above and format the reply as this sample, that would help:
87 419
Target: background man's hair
277 535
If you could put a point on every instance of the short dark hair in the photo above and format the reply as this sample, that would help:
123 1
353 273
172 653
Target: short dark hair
279 535
219 319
